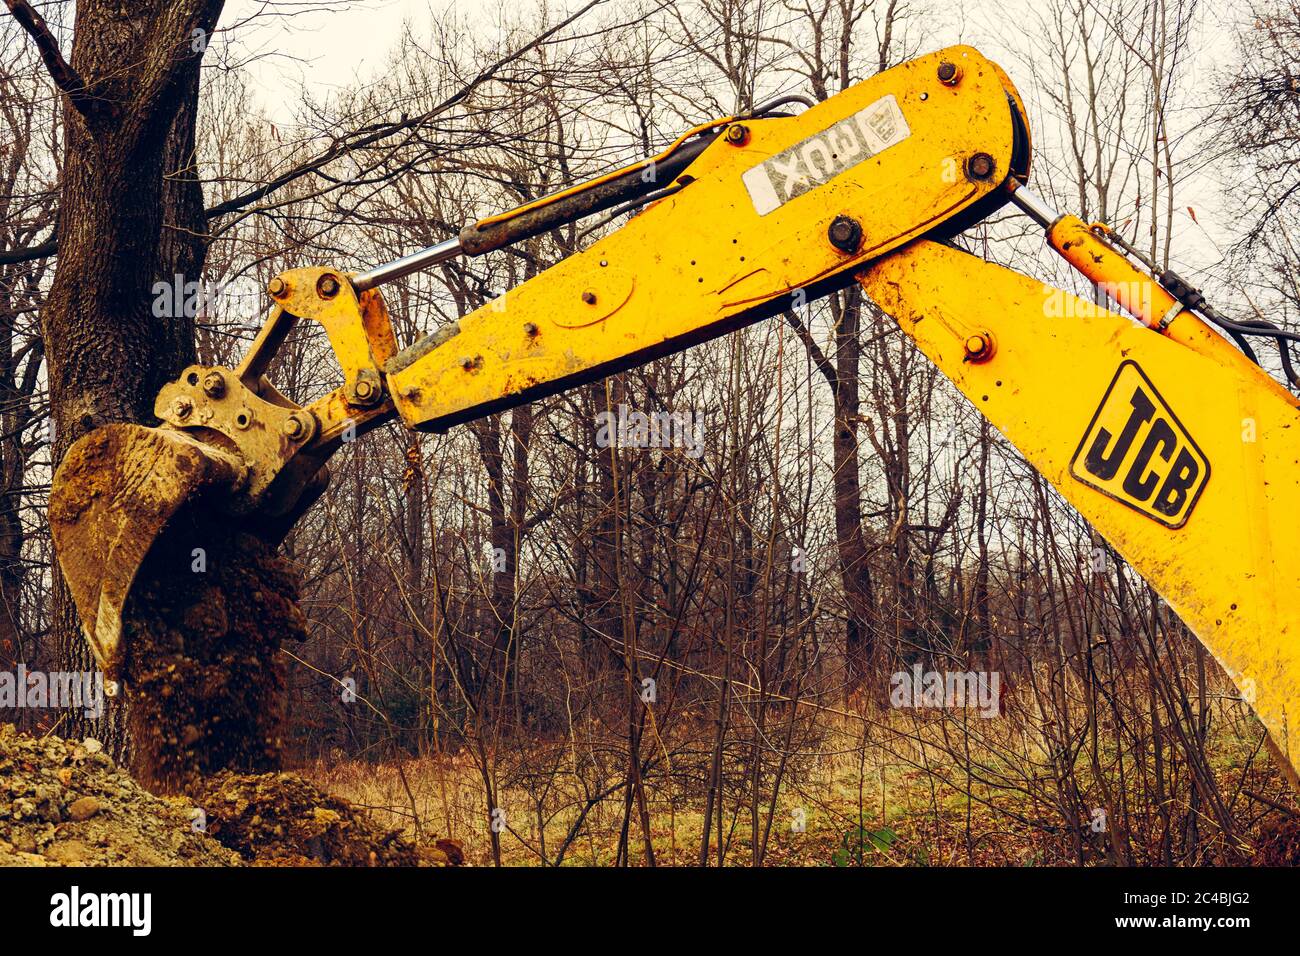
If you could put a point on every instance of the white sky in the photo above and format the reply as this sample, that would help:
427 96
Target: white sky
326 45
322 48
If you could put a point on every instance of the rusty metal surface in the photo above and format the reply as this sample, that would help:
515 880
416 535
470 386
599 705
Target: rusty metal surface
114 492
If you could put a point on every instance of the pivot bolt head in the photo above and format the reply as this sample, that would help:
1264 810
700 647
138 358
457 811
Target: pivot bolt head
182 407
530 329
276 287
737 134
589 297
845 234
367 389
979 347
980 166
296 428
327 286
214 384
949 73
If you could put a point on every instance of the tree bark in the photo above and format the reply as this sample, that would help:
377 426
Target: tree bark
130 93
855 568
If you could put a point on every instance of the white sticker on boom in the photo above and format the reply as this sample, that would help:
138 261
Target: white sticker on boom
820 158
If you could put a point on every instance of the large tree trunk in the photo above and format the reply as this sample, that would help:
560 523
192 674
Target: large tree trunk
134 69
507 525
855 568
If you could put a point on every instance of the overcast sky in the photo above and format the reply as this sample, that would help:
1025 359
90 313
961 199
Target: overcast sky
345 44
324 48
335 45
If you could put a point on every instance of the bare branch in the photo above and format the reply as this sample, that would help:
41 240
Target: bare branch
357 139
64 76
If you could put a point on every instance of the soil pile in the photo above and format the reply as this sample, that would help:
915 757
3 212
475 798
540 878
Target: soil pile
67 803
282 820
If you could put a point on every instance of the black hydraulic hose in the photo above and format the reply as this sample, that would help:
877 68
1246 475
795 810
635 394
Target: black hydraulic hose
1259 327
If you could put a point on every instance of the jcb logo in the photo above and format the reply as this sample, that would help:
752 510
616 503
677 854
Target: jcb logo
1136 451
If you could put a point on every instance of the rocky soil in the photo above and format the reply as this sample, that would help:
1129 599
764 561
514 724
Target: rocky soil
66 803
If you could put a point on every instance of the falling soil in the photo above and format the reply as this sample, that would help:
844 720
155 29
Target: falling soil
64 803
203 627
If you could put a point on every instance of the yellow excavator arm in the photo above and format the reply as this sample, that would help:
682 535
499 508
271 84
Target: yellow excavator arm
1172 443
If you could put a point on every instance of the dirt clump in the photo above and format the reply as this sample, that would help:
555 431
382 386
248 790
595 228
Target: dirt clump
282 820
211 606
64 803
1278 842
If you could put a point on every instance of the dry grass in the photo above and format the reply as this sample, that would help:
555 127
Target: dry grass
919 799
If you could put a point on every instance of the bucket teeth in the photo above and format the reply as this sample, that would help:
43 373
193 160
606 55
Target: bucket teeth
113 494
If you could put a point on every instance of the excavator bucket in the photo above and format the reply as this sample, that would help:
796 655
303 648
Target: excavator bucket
115 491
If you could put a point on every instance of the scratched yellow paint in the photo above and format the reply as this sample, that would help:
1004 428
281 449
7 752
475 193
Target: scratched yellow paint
707 259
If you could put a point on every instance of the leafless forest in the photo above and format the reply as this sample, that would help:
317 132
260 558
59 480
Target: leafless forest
561 651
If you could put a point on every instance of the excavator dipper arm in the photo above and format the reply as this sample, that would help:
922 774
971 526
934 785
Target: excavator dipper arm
773 210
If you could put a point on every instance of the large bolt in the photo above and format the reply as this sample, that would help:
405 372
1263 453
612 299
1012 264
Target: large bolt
737 134
589 297
296 428
367 389
980 166
276 287
182 407
328 286
949 73
979 347
845 234
214 384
